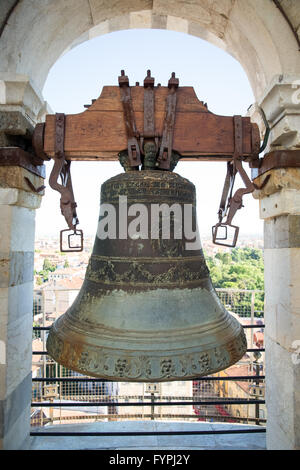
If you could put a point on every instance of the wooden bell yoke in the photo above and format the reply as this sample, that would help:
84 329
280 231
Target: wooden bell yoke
126 117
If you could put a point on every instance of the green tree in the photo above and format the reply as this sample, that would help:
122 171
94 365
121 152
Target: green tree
48 266
241 268
39 281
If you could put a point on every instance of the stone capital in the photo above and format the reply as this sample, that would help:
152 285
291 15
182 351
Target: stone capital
18 94
281 105
282 203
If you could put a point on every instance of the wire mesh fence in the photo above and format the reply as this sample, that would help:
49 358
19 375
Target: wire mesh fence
245 303
62 396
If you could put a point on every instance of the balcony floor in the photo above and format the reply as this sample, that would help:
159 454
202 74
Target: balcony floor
255 441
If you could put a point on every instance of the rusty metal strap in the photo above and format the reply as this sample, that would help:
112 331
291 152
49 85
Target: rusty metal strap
230 204
134 154
149 116
238 136
61 169
60 119
165 151
227 190
15 156
236 201
277 159
38 141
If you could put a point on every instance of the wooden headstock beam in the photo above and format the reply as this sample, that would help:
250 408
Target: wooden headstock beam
99 133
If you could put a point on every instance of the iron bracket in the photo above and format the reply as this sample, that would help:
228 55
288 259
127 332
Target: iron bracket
166 146
135 148
149 113
277 159
16 156
134 154
230 204
61 169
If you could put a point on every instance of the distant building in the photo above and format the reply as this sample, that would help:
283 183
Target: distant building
164 391
241 390
56 296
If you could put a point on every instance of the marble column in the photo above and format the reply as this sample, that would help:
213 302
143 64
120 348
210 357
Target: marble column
17 227
280 209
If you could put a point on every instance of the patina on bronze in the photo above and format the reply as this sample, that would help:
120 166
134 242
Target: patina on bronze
147 310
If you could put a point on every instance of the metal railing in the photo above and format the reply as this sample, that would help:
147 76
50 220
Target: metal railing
222 397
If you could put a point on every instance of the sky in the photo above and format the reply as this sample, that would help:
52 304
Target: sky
79 75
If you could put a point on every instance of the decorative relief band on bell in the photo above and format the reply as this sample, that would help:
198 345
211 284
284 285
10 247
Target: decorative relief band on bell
142 367
140 271
150 186
108 363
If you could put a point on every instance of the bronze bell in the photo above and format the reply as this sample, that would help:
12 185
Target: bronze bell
147 310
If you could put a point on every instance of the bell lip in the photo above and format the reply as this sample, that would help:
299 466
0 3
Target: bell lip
233 356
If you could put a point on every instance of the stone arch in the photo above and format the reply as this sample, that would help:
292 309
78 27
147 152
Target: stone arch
37 33
33 34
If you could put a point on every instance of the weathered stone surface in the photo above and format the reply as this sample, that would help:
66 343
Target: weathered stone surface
14 122
17 197
279 178
159 21
11 307
282 232
14 177
18 232
16 292
14 405
102 10
284 202
17 437
282 383
198 30
255 441
282 305
16 268
280 102
18 351
174 23
206 13
242 25
119 22
140 19
98 30
19 95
